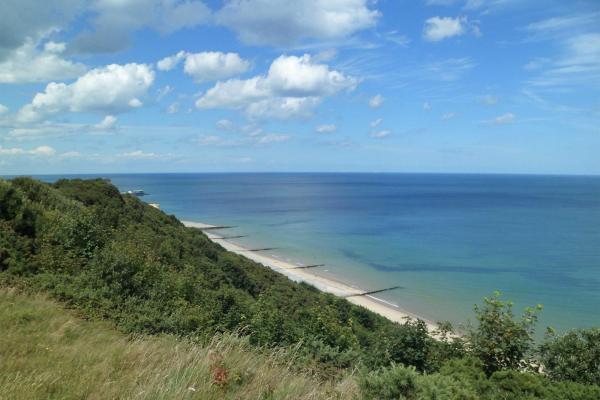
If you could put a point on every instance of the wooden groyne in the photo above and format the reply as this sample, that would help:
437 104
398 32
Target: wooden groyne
308 266
373 291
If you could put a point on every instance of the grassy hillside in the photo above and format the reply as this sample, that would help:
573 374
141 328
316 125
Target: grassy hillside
48 352
113 258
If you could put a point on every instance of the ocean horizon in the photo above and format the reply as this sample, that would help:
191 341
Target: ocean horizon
446 239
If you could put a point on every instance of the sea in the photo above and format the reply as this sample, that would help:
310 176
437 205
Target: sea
447 240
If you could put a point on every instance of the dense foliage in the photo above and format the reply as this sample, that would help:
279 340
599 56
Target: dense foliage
500 341
574 356
114 257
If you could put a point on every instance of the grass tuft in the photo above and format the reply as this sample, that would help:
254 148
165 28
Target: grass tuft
48 352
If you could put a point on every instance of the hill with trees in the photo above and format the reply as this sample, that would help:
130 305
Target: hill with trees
113 259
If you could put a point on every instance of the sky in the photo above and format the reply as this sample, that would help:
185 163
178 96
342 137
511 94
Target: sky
465 86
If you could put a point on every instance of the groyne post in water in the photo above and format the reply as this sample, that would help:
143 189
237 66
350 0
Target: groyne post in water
373 291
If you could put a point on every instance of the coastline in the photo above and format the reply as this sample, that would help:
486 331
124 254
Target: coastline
327 285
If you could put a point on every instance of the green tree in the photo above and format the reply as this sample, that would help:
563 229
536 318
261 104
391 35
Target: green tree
500 340
574 356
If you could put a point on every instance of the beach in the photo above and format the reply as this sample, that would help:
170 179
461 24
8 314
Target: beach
327 285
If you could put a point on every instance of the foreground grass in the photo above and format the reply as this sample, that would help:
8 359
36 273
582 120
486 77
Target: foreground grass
47 352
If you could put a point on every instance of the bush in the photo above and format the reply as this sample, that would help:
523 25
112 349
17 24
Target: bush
574 356
394 382
500 341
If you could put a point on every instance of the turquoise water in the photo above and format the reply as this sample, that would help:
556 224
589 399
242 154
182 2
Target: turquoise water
447 240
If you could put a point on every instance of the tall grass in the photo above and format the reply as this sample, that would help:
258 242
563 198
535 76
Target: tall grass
47 352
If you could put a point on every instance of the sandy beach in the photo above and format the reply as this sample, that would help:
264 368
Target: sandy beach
372 303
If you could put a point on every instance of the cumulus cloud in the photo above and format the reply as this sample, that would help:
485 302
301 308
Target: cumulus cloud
380 134
109 123
27 64
113 21
206 66
439 28
286 23
45 151
168 63
326 128
292 86
376 101
25 21
111 89
504 119
3 109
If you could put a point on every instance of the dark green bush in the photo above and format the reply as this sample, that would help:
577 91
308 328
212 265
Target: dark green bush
574 356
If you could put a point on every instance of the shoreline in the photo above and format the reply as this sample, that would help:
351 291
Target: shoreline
379 306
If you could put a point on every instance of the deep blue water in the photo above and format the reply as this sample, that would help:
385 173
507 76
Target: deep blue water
447 240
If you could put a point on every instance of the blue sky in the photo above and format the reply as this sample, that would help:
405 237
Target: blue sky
477 86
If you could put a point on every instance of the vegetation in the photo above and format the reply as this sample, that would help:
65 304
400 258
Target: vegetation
113 258
47 352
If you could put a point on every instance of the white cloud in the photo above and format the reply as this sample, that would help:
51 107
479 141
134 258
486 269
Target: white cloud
45 151
448 115
272 138
577 64
292 87
212 66
489 100
326 128
163 92
114 20
225 125
380 134
564 23
375 123
439 28
285 23
325 55
504 119
397 38
109 123
27 64
3 109
168 63
139 155
70 154
28 20
426 106
173 108
111 89
206 66
54 47
282 107
376 101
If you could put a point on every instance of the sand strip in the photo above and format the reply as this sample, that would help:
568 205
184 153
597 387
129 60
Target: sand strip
372 303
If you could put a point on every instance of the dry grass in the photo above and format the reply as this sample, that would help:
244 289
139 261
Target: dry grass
46 352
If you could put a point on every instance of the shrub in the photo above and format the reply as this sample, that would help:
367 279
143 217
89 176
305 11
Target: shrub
394 382
574 356
500 341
